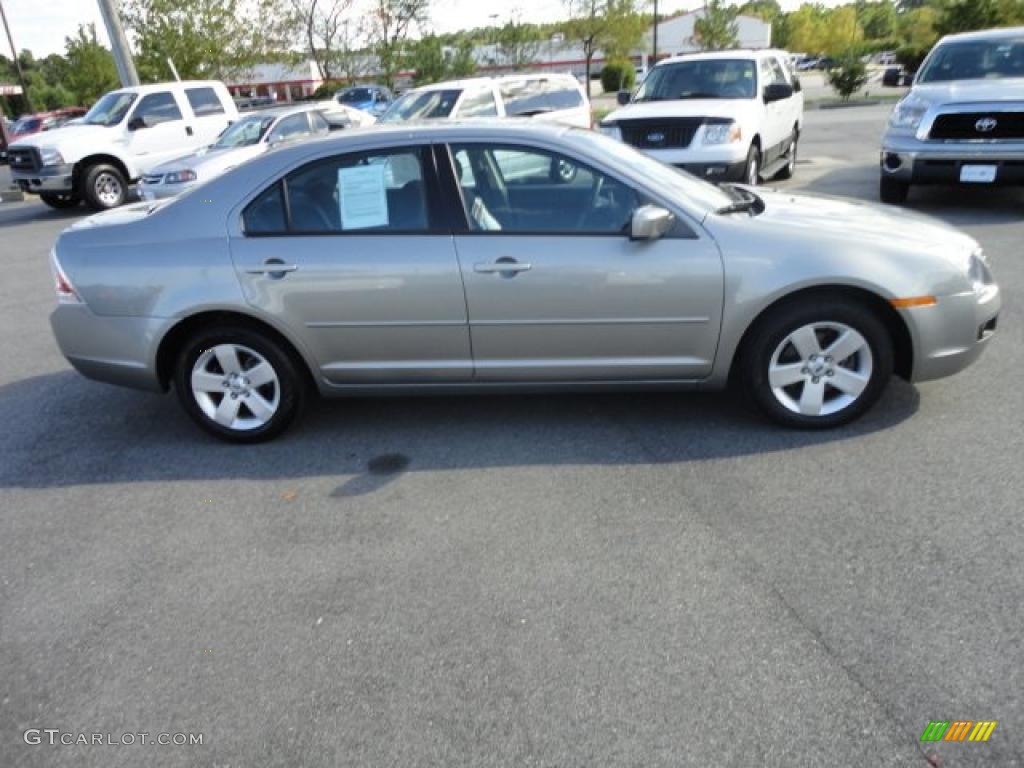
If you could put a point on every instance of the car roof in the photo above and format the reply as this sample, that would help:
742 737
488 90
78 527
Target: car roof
985 34
734 53
469 82
152 87
280 110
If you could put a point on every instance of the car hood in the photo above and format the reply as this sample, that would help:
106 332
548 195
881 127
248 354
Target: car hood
968 91
69 135
728 108
208 162
879 227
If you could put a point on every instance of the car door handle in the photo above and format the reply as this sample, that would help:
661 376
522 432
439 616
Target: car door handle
500 266
272 267
188 130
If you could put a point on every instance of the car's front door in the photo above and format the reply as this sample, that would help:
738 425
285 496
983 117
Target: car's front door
158 131
557 290
346 251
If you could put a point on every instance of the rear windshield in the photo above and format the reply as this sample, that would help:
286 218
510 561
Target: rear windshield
421 105
355 95
26 125
975 60
701 79
524 98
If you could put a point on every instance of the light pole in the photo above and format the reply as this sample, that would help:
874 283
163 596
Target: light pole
17 63
655 56
118 43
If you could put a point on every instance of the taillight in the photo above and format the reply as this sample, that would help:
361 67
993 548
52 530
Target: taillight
65 290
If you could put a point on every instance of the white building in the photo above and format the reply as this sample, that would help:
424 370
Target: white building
676 35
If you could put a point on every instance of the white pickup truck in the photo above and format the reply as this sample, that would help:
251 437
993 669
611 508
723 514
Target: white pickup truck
126 133
722 116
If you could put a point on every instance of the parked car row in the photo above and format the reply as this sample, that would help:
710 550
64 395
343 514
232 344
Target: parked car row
27 125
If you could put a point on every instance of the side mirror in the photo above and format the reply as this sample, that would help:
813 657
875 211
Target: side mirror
622 97
777 92
136 123
650 222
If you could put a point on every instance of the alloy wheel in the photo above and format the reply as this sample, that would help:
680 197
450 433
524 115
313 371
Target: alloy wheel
235 386
820 369
108 189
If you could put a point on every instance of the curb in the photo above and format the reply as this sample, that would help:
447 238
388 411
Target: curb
11 195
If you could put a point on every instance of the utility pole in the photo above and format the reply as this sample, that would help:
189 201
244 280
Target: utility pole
655 56
118 43
17 63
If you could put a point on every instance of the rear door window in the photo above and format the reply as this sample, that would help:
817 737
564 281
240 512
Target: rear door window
204 101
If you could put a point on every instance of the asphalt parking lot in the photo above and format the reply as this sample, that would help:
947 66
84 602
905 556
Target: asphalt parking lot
606 580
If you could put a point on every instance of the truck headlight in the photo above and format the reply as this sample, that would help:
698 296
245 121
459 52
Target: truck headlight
180 177
909 113
722 133
611 129
50 156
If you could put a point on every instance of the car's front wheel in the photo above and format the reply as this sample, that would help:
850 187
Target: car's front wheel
238 384
752 170
60 200
104 187
893 191
790 167
817 364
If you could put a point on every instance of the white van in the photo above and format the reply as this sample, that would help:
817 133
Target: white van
126 133
556 97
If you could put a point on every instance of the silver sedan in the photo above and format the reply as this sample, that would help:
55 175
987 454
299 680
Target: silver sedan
449 258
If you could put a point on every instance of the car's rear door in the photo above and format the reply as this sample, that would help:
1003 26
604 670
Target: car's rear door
349 252
556 290
209 114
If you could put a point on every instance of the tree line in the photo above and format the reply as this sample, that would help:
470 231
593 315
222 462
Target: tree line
352 39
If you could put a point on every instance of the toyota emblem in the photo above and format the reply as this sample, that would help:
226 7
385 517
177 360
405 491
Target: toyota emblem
986 125
655 138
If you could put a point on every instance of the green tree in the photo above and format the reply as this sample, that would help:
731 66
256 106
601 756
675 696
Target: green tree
849 76
390 24
917 30
806 29
766 10
90 70
518 44
716 29
217 39
878 19
426 58
967 15
613 26
842 31
462 63
322 26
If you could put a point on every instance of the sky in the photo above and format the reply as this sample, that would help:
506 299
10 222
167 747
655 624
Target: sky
42 25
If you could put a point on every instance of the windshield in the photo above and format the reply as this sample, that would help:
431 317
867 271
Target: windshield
975 60
110 110
674 183
355 95
26 125
422 105
244 133
700 79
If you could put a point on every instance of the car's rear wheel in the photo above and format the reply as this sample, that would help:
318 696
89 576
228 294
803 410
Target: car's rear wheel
817 364
790 167
238 384
752 170
893 191
104 187
60 200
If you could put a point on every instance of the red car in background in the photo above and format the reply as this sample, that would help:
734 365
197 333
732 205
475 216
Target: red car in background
26 125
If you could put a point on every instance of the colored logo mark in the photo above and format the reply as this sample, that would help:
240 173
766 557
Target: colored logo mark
958 730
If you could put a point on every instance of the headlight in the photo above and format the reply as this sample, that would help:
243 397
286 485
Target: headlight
180 177
722 133
978 272
50 156
611 129
909 113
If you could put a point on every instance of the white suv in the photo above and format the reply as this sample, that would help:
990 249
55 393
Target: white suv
125 134
723 116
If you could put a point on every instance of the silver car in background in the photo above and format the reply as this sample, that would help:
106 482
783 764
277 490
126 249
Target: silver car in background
396 261
248 137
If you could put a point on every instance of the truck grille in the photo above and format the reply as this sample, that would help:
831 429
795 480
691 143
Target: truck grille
660 133
979 125
25 159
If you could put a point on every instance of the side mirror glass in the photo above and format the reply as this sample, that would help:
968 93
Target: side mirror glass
777 92
622 97
650 222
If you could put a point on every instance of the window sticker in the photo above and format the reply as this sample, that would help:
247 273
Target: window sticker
362 197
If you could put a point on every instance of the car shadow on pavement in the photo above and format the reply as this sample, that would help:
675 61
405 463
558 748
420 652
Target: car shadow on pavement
14 213
70 431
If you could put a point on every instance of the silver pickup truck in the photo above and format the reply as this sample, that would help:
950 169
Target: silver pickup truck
963 120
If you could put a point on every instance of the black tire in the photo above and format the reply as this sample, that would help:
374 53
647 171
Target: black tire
779 323
103 187
752 168
790 167
60 200
291 397
893 191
